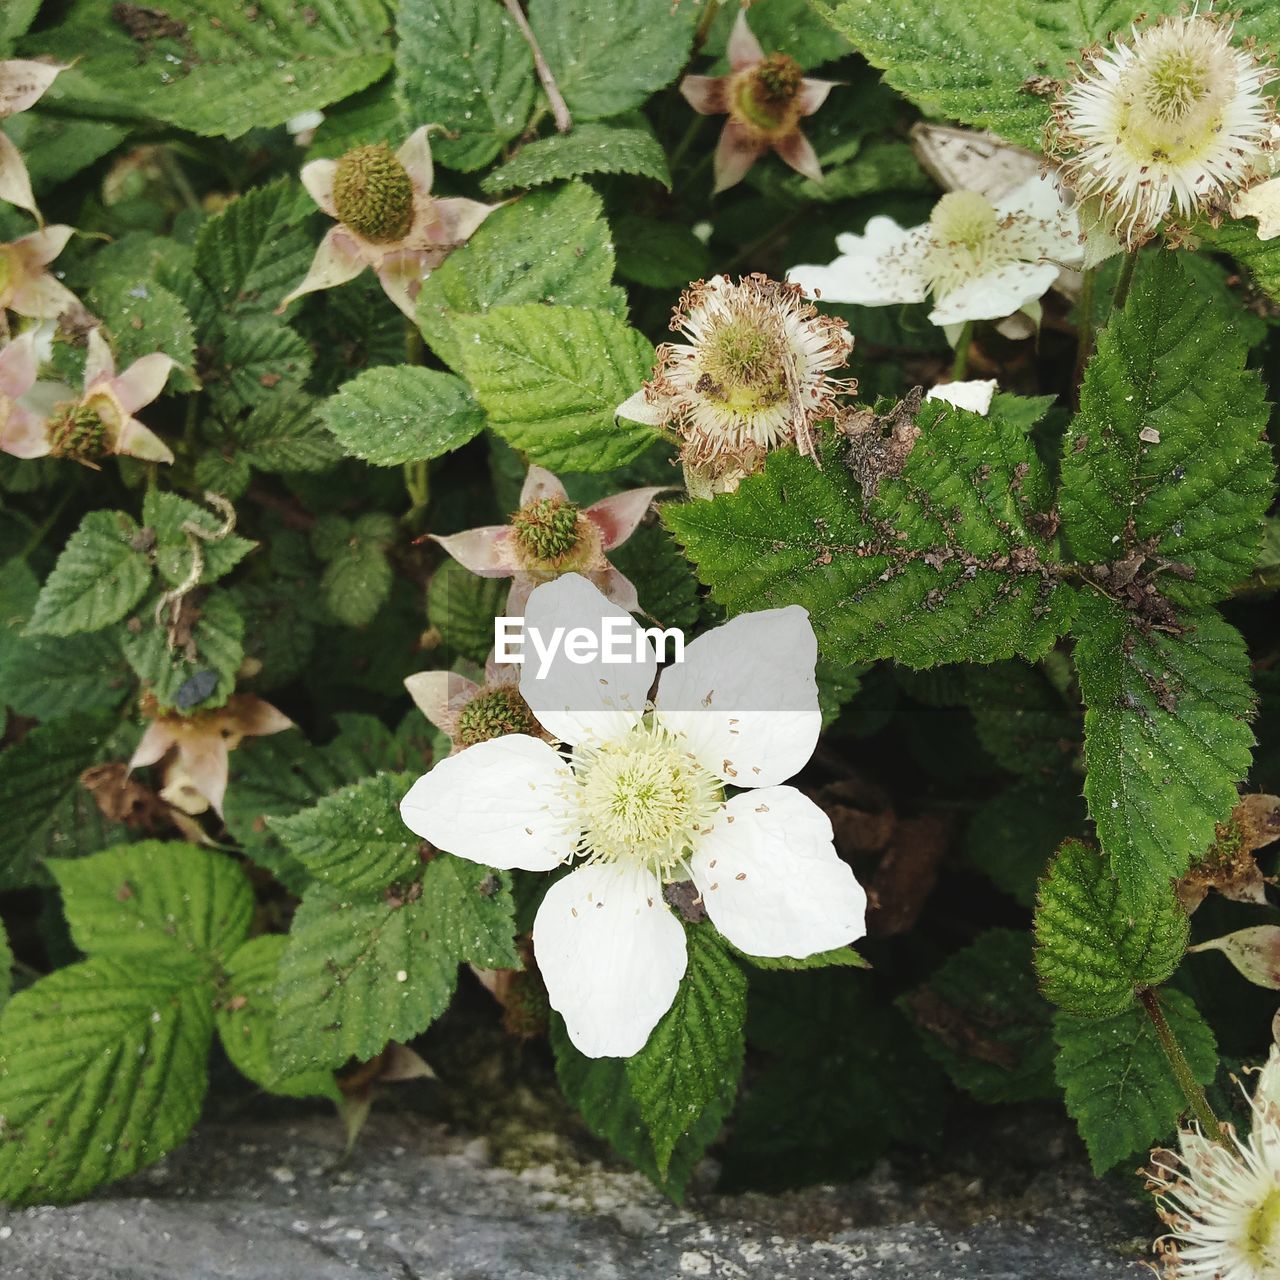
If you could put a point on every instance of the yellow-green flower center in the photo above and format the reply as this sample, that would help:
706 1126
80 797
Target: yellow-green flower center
546 529
493 713
765 95
743 365
78 432
964 218
1264 1233
373 194
644 798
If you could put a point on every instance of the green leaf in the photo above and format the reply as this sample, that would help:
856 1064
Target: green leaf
357 578
142 317
786 25
246 1017
1093 950
216 645
44 810
550 382
218 67
1166 736
1021 719
360 971
160 902
1119 1086
608 59
982 1018
667 588
463 65
166 513
593 147
946 564
249 356
462 606
15 18
687 1073
252 253
402 413
102 1070
837 958
1166 459
353 840
285 432
1239 238
48 677
100 575
551 247
6 967
661 255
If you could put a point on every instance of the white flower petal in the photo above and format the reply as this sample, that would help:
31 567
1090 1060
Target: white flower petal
745 697
878 268
504 803
636 408
995 295
1261 202
593 699
771 880
612 955
974 396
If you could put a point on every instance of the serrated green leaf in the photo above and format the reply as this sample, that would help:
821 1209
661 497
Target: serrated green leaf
44 810
981 1017
102 1070
1166 736
550 382
100 575
661 255
462 607
48 677
217 67
1093 950
6 967
360 971
609 59
786 25
357 578
838 958
463 65
246 1017
1239 238
402 413
156 901
551 247
593 147
249 357
687 1073
142 317
15 18
1119 1086
1167 454
945 566
285 432
1021 719
353 840
667 588
216 645
166 513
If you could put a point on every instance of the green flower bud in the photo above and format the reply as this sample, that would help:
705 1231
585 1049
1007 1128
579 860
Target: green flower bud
493 713
373 194
546 529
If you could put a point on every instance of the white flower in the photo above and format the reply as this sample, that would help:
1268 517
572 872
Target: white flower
1221 1202
639 801
1174 118
1261 202
975 396
979 260
753 374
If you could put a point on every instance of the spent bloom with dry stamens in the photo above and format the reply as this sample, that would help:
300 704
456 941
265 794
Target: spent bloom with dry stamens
467 712
1221 1201
27 286
1170 120
978 260
765 99
549 535
753 375
25 403
638 802
387 219
22 84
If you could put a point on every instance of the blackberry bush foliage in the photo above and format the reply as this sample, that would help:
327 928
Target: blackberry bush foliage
882 389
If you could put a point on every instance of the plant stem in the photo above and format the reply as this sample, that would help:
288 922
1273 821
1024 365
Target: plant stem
1182 1073
686 141
559 109
704 25
1125 280
960 365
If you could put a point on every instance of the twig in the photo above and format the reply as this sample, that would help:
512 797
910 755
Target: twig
564 121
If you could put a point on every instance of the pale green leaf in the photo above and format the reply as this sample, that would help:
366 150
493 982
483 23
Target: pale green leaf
592 147
463 65
102 1071
166 514
402 413
550 382
357 578
102 573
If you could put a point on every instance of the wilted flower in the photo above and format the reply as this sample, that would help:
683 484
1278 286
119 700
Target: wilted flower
753 376
101 421
979 260
975 396
1221 1201
27 286
196 775
549 536
467 712
24 402
22 84
765 99
387 219
1172 119
638 802
1262 202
